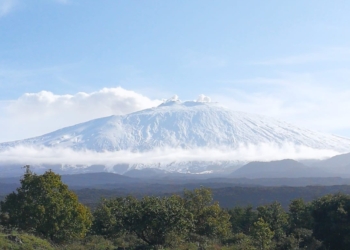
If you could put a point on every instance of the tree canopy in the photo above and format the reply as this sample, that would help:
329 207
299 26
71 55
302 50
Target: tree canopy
45 206
331 215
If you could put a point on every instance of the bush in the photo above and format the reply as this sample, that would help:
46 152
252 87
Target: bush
90 243
23 242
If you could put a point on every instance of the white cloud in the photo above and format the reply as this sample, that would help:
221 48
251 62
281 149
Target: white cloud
6 6
297 99
203 98
36 113
174 98
307 100
162 157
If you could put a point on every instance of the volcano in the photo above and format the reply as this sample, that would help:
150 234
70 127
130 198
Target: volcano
185 126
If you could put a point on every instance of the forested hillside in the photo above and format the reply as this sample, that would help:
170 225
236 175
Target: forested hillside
228 197
44 214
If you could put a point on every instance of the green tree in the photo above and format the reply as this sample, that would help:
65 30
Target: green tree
44 205
240 241
300 215
277 219
262 234
331 215
109 216
242 219
158 221
301 224
209 219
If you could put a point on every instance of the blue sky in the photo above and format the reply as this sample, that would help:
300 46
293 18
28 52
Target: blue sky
285 59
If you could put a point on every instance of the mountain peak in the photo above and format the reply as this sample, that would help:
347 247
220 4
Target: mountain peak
185 135
176 124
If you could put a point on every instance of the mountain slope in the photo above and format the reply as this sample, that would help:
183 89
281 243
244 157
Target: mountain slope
335 161
277 169
182 125
337 164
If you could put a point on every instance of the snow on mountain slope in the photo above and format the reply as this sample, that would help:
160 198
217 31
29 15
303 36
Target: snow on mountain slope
184 125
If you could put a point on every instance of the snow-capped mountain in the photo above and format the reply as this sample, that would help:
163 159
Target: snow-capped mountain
182 125
198 137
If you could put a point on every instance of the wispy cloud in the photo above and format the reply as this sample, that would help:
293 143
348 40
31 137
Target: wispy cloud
7 6
12 78
318 101
325 55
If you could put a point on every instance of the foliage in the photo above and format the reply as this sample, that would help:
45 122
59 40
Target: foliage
23 241
300 215
167 221
109 216
331 215
240 241
262 234
209 219
277 219
89 243
155 219
228 197
45 206
305 239
242 219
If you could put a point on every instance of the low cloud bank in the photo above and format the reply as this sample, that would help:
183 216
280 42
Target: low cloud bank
244 153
